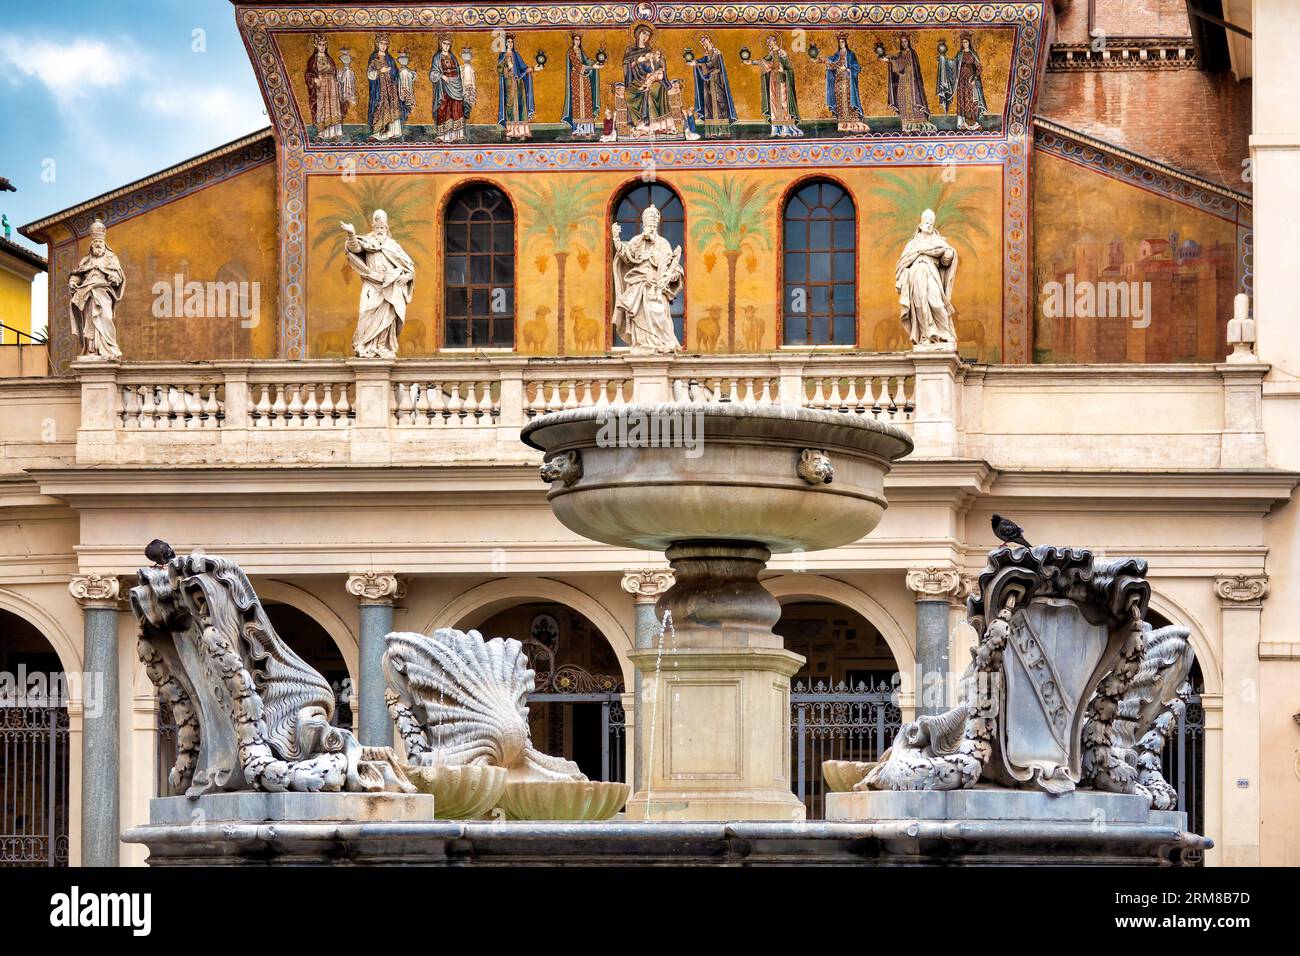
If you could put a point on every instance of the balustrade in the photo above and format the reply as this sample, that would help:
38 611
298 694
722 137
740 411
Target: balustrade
368 406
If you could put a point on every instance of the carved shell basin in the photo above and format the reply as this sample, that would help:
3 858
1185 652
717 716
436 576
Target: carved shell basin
843 775
563 799
654 475
460 791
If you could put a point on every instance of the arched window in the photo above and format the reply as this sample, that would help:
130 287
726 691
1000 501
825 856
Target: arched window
819 281
479 270
672 226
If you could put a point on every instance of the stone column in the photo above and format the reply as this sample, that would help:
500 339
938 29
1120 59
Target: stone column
100 773
376 592
935 590
1242 599
645 586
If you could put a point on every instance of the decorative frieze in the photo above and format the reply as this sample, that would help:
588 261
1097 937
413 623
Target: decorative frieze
1241 589
95 590
1123 53
376 587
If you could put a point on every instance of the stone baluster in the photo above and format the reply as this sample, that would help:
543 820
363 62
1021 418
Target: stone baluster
327 406
310 408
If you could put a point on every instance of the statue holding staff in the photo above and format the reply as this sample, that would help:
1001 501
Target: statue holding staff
97 283
648 275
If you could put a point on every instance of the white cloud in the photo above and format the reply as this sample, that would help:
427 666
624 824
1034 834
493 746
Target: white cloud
220 113
69 70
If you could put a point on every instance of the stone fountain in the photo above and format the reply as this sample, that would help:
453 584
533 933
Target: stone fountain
753 481
1052 754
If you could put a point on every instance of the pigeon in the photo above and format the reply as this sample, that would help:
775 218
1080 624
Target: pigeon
159 552
1008 531
6 186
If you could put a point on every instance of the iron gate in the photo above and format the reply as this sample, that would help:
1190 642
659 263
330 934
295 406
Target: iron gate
837 723
1184 764
612 739
33 786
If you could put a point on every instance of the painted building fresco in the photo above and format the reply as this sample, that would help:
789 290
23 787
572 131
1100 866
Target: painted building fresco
1126 274
644 83
739 261
201 272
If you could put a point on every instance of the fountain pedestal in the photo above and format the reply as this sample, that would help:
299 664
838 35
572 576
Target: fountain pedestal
715 696
716 729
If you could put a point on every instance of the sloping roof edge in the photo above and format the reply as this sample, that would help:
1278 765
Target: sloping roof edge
1041 122
32 230
33 259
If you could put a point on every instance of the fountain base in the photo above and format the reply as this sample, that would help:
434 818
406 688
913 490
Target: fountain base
716 732
616 843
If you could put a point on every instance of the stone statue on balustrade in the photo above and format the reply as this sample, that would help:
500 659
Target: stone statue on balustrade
251 715
1068 688
648 275
97 284
387 280
924 280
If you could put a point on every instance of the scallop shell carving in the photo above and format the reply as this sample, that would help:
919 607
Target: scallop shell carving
459 699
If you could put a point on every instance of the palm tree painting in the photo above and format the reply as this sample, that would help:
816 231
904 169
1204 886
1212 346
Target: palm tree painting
562 216
401 200
959 210
730 218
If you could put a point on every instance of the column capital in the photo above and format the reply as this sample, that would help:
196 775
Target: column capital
645 585
376 587
936 584
95 590
1239 590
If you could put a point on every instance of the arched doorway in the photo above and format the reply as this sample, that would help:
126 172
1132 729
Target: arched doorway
310 641
576 709
34 742
844 701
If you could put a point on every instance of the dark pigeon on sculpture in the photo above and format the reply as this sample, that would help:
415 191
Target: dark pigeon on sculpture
159 552
1008 531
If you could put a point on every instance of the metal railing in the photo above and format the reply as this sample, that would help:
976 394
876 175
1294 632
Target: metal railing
837 723
33 786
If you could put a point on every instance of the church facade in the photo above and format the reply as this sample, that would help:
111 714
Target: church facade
1121 377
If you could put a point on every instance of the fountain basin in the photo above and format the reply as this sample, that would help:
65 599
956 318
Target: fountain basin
461 791
842 776
733 478
563 799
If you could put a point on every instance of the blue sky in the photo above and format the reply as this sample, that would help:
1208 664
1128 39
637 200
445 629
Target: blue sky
111 92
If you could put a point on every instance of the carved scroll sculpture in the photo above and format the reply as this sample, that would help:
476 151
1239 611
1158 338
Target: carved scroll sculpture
459 699
1147 716
1069 686
251 714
